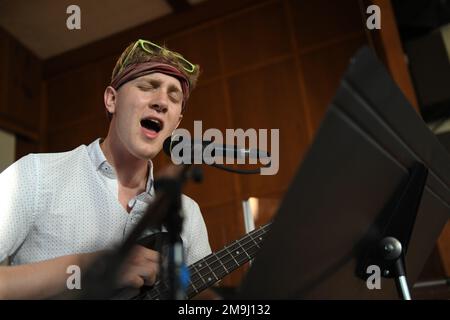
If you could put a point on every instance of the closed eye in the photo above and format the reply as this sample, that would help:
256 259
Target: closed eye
145 87
175 96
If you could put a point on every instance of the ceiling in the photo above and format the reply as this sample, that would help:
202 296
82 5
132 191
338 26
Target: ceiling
40 25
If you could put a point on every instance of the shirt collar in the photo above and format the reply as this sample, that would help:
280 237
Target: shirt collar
101 165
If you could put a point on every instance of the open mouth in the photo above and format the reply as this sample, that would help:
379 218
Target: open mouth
152 124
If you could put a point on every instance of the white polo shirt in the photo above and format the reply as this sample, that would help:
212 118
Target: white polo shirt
58 204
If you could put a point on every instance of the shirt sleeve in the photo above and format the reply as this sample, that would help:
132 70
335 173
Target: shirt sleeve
197 244
17 204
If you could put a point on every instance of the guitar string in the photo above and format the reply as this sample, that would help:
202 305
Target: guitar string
231 263
153 293
214 256
199 282
227 252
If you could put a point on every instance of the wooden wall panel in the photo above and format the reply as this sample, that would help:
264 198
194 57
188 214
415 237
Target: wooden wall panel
76 112
4 48
254 37
25 146
208 105
321 21
388 45
20 102
169 25
24 88
268 98
22 96
224 226
200 47
74 96
103 69
323 70
77 133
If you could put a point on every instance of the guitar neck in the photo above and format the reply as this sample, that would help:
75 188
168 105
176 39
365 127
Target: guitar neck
207 271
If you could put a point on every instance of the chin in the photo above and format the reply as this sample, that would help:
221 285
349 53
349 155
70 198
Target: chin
150 154
148 149
146 154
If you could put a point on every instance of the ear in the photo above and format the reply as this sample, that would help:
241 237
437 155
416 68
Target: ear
179 121
110 98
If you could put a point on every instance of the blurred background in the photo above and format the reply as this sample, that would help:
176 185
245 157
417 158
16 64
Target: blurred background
266 64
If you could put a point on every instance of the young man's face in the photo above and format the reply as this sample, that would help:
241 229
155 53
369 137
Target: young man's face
146 111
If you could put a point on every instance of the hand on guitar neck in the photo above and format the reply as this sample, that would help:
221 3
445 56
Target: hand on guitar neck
206 272
140 268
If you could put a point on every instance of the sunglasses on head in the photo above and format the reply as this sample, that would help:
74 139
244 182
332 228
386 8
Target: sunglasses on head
152 48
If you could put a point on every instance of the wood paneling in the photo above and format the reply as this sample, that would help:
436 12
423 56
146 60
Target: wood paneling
321 21
78 132
323 70
225 224
199 47
4 48
76 95
254 37
388 45
24 88
268 98
20 92
266 209
25 146
208 105
202 14
22 105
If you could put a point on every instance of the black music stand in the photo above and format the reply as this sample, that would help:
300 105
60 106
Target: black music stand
375 176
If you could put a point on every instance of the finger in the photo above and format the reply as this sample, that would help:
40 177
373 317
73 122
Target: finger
132 280
149 273
137 276
136 282
147 254
142 256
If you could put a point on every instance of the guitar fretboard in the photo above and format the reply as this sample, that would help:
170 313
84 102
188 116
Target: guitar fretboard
207 271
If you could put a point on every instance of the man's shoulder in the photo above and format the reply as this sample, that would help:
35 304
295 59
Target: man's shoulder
189 204
53 159
37 167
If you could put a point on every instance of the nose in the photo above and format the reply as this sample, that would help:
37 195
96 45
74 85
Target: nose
159 102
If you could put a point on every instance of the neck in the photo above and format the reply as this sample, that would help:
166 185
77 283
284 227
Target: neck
131 172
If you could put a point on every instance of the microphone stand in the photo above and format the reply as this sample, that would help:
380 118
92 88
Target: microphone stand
176 271
100 279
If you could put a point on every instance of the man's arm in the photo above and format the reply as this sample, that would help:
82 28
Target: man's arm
47 279
40 280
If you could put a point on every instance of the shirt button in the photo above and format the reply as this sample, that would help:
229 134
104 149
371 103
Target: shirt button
131 203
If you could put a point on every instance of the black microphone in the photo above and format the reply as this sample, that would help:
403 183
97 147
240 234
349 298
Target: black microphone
221 149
